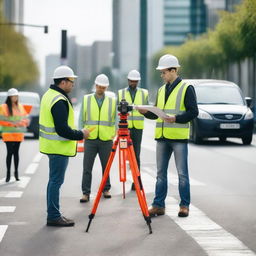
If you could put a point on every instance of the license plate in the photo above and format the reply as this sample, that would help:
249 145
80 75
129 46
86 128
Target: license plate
229 126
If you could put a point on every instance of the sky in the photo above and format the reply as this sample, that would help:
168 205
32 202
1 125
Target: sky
88 20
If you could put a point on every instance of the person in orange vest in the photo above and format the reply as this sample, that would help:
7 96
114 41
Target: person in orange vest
13 123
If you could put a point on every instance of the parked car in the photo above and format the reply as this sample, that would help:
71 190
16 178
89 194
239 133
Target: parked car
28 98
223 112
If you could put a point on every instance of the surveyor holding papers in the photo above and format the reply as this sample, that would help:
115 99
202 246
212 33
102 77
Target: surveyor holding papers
178 100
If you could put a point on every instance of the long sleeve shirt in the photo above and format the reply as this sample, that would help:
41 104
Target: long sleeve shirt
60 118
189 102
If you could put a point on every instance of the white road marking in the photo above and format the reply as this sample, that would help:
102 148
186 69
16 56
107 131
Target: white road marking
24 180
7 209
11 194
215 240
31 169
22 183
3 229
37 158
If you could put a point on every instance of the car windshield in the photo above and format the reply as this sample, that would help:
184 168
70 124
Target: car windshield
215 94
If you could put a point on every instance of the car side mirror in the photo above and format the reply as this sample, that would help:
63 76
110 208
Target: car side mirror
248 102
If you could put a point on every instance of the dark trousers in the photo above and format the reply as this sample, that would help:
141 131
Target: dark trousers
12 150
136 136
91 149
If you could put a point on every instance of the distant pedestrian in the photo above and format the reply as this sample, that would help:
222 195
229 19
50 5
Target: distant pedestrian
98 111
58 138
138 96
13 121
178 100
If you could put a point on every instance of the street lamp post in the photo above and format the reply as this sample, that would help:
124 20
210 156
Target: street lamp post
26 25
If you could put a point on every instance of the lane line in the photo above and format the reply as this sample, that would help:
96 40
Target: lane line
3 229
37 158
210 236
31 169
7 209
11 194
215 240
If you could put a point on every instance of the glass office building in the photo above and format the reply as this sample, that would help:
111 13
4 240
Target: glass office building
182 18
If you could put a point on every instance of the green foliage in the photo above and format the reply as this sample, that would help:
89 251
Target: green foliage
17 67
233 39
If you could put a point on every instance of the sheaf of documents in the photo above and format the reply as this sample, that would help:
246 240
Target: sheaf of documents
152 109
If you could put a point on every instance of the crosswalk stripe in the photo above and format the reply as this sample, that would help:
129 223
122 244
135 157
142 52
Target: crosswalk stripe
3 229
31 169
11 194
215 240
7 209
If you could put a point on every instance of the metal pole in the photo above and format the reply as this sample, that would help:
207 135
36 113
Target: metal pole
143 42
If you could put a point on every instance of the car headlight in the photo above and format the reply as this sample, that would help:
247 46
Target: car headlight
248 115
204 115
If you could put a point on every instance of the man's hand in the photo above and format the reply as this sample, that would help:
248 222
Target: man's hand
170 119
142 111
86 133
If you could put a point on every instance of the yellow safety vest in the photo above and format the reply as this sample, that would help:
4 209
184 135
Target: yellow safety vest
135 119
49 141
101 119
174 105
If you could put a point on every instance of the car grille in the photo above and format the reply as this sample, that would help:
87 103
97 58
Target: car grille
228 116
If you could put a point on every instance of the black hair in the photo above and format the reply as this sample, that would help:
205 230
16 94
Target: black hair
170 69
8 102
57 81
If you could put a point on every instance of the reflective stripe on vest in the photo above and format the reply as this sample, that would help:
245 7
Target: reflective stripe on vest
50 142
135 119
102 119
173 106
15 124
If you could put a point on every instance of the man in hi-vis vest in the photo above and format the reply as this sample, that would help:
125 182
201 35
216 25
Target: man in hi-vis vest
178 100
98 114
138 96
58 138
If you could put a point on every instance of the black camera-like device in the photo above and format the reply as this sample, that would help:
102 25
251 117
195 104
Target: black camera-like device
124 107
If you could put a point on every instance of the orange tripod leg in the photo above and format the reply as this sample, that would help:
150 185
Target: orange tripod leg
102 184
138 185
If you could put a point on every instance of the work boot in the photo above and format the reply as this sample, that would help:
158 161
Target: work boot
8 176
156 211
85 199
184 211
106 194
16 175
61 222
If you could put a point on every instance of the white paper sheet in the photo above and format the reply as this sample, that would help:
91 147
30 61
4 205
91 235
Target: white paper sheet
152 109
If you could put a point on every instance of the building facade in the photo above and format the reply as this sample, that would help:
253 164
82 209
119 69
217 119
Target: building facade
13 11
183 18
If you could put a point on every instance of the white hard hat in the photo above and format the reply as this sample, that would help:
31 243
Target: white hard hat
102 80
63 72
168 61
12 92
134 75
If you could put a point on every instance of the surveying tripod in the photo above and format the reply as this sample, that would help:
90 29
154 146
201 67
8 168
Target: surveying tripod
126 151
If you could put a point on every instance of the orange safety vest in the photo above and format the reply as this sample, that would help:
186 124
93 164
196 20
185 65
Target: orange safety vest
6 121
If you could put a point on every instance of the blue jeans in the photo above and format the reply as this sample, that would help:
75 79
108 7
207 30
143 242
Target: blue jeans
164 151
58 165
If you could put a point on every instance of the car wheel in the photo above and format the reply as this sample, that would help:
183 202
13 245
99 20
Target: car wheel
222 139
247 140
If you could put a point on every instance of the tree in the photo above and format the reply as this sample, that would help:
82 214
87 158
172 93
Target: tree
17 67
